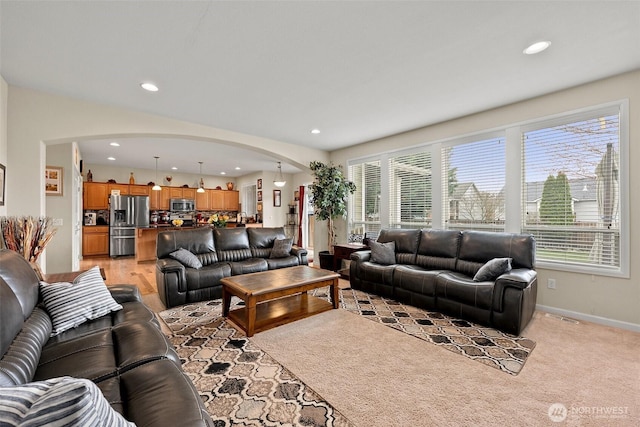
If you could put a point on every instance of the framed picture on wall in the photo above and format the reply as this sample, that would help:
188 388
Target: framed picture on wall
277 198
3 172
259 196
53 180
260 184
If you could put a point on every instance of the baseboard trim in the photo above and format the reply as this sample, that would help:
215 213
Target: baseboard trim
589 318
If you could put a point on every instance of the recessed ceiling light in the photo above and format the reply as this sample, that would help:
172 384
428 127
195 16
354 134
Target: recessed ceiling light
537 47
149 86
237 168
315 131
174 168
111 158
223 173
114 144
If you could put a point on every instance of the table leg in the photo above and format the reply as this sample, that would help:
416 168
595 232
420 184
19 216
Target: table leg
251 316
226 301
335 294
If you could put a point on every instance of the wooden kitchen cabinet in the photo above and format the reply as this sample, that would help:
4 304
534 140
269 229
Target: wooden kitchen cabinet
216 200
231 200
159 200
202 201
139 190
95 240
95 195
188 193
123 188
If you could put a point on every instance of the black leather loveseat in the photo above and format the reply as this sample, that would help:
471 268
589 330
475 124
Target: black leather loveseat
435 269
220 253
123 352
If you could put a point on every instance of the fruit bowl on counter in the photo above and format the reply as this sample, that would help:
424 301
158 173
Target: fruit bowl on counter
177 222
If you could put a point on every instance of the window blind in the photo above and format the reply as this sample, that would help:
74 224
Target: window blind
571 193
364 204
474 179
410 190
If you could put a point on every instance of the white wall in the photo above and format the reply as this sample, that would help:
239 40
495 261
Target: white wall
580 295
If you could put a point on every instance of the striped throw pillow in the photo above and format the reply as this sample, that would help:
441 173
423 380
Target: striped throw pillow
71 304
64 401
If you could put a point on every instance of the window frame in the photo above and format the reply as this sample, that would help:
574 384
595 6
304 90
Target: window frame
514 177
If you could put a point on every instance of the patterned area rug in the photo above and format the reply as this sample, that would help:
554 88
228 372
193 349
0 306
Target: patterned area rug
485 345
240 384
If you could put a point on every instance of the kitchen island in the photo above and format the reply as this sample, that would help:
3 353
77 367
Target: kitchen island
146 238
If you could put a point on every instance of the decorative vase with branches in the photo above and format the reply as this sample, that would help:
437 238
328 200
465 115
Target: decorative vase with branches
329 193
27 235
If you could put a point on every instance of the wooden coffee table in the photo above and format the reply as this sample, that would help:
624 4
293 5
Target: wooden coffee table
276 297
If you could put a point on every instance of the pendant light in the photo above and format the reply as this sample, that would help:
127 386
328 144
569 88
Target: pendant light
156 187
279 181
201 186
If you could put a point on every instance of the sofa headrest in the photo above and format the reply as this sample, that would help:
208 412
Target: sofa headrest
23 281
263 237
197 240
481 246
439 243
229 239
406 239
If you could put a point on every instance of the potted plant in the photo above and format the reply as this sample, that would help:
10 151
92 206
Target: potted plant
329 193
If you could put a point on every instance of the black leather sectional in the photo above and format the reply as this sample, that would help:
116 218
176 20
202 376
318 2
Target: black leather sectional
222 252
124 353
434 269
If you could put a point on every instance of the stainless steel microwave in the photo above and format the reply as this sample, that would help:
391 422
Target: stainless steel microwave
182 205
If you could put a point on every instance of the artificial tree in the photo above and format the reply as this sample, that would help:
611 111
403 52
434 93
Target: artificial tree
329 193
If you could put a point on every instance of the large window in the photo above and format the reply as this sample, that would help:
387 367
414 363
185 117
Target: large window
563 179
474 174
364 206
571 189
410 190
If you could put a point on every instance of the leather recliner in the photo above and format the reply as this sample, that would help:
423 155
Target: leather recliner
434 270
124 353
223 252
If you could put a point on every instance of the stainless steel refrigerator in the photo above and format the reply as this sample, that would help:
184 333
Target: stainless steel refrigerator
126 213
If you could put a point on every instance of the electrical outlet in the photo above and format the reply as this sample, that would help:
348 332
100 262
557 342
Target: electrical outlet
551 283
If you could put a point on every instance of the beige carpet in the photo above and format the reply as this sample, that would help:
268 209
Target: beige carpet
377 376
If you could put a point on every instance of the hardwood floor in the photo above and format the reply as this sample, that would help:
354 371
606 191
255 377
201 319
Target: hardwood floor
125 270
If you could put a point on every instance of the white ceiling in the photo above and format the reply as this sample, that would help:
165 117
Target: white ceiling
356 70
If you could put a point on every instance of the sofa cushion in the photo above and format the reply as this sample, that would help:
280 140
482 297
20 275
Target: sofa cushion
383 253
492 269
281 248
197 241
58 401
70 304
406 241
438 249
232 244
462 289
251 265
289 261
187 258
415 279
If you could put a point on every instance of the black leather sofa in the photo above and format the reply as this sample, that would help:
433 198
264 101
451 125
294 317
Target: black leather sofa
434 269
124 353
222 252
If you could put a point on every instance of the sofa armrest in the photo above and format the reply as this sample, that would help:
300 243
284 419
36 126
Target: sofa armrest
167 265
301 254
125 293
361 256
518 278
